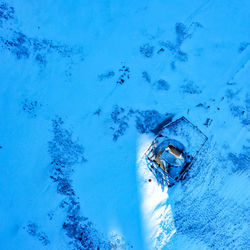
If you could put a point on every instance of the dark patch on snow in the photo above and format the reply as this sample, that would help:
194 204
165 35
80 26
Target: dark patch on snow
231 83
98 112
231 94
173 65
146 76
238 108
200 105
241 162
120 122
190 88
79 229
246 117
246 122
23 47
41 59
204 106
18 45
33 230
65 153
6 12
243 46
151 121
160 51
237 111
146 121
125 75
31 107
64 187
178 54
147 50
162 85
182 33
167 119
208 122
106 75
51 215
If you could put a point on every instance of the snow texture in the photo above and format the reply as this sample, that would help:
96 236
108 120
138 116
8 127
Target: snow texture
85 88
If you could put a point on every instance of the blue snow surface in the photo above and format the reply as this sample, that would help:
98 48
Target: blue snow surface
83 87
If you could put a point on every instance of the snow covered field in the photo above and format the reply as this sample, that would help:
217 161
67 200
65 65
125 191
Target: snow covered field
82 86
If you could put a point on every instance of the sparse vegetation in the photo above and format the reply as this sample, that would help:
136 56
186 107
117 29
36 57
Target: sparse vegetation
147 50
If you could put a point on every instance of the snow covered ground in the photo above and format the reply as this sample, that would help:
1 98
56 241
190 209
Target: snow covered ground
82 86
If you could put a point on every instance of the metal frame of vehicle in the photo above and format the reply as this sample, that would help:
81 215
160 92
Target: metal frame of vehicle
159 171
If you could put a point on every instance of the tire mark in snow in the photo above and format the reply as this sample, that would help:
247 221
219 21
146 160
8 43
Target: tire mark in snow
196 12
